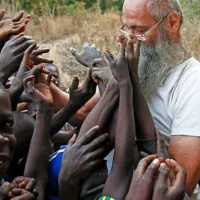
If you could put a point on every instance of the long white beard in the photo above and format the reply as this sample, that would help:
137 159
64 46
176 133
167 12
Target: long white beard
156 61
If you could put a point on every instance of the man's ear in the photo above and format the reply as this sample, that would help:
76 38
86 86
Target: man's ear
173 23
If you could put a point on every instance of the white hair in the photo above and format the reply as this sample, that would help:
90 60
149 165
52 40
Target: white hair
161 8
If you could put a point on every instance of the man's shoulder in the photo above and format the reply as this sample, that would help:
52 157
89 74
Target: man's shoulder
189 72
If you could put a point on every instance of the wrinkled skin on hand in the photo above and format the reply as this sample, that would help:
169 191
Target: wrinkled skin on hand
133 53
12 54
120 67
79 96
37 85
175 191
82 156
13 26
102 72
143 179
36 56
87 55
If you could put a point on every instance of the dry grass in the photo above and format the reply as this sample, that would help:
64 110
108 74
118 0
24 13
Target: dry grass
94 27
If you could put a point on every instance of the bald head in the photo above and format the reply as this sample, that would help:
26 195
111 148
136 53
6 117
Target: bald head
156 8
141 15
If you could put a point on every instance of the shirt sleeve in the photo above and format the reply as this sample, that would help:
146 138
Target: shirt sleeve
186 111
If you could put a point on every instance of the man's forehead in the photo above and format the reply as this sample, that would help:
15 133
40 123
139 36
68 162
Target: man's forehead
136 6
135 13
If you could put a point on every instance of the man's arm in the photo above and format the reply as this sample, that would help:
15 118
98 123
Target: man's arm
144 122
61 99
186 151
38 156
78 97
118 182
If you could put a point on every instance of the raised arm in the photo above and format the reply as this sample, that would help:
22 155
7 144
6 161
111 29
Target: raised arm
145 128
118 181
38 156
78 97
79 160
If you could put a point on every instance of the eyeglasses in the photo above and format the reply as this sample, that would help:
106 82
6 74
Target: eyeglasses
140 37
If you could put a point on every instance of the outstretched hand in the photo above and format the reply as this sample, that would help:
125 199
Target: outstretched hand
12 54
83 155
36 56
37 85
87 55
12 26
79 96
102 72
120 67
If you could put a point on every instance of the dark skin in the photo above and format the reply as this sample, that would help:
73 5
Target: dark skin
7 138
87 55
144 186
102 113
23 129
39 91
108 81
63 137
12 54
80 159
8 143
78 97
55 73
12 26
141 186
119 179
17 85
142 113
27 63
8 190
171 177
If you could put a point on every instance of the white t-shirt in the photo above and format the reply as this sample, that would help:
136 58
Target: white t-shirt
175 107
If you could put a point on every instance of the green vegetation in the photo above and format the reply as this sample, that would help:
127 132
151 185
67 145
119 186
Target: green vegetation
58 7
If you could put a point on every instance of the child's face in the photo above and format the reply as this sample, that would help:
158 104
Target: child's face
7 138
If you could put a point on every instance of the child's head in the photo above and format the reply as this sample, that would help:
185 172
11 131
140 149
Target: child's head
7 138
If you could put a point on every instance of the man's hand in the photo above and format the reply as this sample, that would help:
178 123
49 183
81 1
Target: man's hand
143 179
38 86
102 72
12 54
82 156
87 55
162 189
79 96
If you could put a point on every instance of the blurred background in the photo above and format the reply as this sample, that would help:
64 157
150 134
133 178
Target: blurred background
61 24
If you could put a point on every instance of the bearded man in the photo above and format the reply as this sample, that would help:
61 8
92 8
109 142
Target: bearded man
169 79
